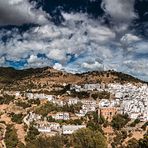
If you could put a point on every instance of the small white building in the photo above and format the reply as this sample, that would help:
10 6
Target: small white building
91 87
72 101
39 96
47 127
58 102
69 129
33 117
44 129
82 113
88 108
61 116
54 126
17 94
134 115
119 95
104 103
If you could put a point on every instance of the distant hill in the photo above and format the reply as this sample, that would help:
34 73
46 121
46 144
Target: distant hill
48 77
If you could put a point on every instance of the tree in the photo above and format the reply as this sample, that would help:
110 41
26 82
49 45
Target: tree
32 133
103 95
17 118
101 119
119 121
124 134
11 139
132 143
95 96
47 108
95 127
75 121
50 119
119 138
56 141
22 104
143 143
20 145
86 138
6 99
95 117
144 125
136 121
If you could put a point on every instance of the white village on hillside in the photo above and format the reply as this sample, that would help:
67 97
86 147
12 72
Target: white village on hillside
124 99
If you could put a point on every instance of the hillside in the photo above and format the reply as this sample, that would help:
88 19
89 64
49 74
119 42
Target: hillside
36 99
47 78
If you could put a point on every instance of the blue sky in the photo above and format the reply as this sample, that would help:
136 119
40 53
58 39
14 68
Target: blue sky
75 35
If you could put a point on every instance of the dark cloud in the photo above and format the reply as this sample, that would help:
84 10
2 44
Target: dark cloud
18 12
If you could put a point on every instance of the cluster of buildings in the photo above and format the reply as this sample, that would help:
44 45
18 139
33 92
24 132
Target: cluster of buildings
88 87
48 127
87 106
39 96
133 99
60 116
52 128
127 98
108 108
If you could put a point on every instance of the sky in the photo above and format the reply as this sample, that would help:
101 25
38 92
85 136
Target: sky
75 35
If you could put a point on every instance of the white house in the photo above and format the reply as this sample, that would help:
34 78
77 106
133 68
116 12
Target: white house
61 116
44 129
91 87
69 129
134 115
81 113
119 95
31 117
88 108
39 96
104 103
58 102
54 126
72 101
47 127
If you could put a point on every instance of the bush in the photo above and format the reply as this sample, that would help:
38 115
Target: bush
17 118
46 142
95 96
23 104
132 143
94 127
144 125
47 108
34 101
11 139
86 138
136 121
80 95
119 121
118 139
104 95
143 143
76 121
6 99
32 133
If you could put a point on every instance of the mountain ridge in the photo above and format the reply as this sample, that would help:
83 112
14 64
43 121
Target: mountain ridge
48 76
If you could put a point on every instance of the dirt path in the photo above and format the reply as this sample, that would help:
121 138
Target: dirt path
3 145
20 132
